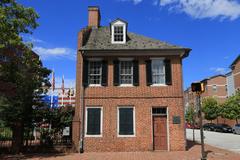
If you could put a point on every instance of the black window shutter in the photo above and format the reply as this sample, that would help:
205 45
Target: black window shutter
149 72
94 121
85 73
168 71
116 73
135 73
126 121
104 73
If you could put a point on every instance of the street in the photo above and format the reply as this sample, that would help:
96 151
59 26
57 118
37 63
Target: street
226 141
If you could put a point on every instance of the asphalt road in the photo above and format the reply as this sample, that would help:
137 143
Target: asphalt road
226 141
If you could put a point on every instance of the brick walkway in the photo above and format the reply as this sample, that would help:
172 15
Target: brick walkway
193 153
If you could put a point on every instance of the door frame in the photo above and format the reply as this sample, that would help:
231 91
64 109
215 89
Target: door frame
168 135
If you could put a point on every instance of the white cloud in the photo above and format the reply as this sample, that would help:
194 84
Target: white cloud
224 9
32 39
49 53
134 1
219 70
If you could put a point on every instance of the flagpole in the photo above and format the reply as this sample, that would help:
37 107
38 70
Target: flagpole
52 92
70 102
62 89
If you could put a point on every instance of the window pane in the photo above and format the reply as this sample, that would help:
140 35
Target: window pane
126 72
118 33
158 72
95 72
93 121
162 111
126 121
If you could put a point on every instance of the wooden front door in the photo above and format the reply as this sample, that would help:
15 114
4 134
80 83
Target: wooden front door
160 132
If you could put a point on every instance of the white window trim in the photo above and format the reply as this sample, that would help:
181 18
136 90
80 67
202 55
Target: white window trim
130 60
101 123
134 125
159 84
124 34
95 60
216 89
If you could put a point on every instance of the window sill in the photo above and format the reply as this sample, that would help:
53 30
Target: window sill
126 85
94 85
126 136
93 136
158 85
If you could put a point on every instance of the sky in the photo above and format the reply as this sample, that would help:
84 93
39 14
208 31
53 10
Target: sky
211 28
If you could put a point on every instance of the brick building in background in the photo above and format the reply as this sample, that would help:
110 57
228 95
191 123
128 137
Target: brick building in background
220 87
129 90
235 67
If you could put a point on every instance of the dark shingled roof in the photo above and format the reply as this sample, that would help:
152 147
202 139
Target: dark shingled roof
235 61
100 39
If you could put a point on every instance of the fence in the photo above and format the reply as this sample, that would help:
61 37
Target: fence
34 139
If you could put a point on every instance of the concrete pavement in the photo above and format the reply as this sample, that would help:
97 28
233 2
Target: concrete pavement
226 141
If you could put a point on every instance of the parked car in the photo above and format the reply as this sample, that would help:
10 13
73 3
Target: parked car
209 126
223 128
236 129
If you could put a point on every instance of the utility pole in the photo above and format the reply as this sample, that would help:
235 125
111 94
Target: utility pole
201 126
199 88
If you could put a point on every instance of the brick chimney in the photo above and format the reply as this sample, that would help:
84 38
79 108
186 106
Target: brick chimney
94 16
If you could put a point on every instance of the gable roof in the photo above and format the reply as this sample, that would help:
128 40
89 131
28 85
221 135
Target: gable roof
219 75
100 39
235 61
119 19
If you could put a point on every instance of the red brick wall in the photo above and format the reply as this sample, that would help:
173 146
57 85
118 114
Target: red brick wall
142 98
236 75
221 93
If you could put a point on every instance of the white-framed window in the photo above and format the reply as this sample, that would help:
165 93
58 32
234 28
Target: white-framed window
214 87
94 121
126 72
126 121
158 72
118 33
94 73
118 29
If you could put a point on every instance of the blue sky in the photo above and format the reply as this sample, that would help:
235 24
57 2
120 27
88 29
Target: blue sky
210 27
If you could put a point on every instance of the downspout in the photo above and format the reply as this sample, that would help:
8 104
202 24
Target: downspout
82 115
82 120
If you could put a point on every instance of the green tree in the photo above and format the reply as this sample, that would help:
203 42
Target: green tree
28 78
231 108
190 115
15 19
210 108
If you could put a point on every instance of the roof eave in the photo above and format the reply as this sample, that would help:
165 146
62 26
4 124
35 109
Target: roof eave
183 52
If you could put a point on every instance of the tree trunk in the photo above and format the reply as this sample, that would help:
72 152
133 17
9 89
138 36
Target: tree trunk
17 137
236 120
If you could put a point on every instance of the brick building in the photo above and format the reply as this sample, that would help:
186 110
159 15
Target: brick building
129 90
215 86
235 67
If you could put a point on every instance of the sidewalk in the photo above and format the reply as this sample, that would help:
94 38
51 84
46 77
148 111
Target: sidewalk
193 153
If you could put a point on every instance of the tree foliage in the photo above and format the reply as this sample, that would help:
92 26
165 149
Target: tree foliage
231 108
190 115
15 19
210 108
